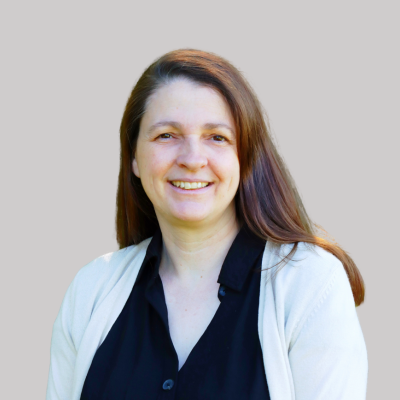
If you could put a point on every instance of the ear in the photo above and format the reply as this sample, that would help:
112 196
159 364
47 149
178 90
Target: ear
135 168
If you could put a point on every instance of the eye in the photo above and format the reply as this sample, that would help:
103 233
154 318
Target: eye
162 136
220 138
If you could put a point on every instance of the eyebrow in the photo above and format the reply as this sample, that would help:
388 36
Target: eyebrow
209 126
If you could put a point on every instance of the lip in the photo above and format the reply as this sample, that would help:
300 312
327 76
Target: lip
191 191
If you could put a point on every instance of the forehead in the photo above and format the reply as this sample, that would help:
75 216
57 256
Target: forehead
189 103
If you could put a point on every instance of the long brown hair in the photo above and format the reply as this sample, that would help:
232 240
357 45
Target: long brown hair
267 200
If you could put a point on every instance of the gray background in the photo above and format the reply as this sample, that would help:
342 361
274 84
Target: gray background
326 72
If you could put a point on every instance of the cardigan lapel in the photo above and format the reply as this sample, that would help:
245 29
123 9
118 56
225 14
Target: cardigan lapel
271 330
106 310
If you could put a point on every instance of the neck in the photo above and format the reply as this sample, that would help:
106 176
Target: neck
196 255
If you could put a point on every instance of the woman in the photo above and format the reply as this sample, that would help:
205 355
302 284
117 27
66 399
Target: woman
221 288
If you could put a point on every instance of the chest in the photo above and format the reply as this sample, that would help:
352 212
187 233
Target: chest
189 314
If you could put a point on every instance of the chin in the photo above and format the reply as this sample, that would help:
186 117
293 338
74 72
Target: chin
191 217
193 214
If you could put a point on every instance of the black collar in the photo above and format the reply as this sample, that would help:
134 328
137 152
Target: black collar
241 257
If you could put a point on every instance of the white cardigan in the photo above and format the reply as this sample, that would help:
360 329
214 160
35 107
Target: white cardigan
312 343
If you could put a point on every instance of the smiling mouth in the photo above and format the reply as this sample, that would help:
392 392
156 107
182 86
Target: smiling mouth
189 185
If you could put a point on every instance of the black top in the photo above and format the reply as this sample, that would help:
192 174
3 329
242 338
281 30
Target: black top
138 361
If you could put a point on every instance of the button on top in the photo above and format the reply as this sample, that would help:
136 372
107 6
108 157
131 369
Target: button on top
222 290
167 385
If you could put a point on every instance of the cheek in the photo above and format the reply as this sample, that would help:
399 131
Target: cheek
227 167
154 165
227 171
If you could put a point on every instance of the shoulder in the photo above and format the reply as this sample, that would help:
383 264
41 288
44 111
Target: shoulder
311 280
94 281
106 266
310 266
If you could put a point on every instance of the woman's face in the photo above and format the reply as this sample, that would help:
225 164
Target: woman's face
187 139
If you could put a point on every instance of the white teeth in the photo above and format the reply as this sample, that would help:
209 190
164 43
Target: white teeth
190 185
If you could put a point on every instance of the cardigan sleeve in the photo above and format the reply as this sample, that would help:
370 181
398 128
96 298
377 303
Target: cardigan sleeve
92 286
62 351
70 324
328 356
69 327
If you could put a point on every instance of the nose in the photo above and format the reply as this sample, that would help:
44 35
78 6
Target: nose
192 155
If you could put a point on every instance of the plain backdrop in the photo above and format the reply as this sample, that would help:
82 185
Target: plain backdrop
326 72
